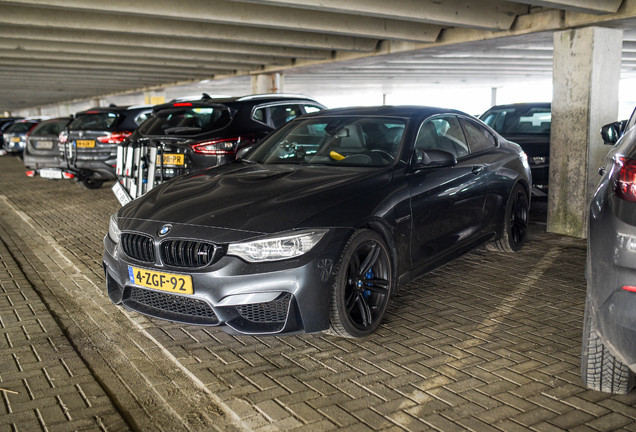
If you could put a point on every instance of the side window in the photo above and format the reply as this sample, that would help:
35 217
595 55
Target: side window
281 114
260 114
142 117
311 109
479 138
442 133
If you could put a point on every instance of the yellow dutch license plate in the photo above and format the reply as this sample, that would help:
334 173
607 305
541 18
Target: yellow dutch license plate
15 139
174 283
171 159
85 143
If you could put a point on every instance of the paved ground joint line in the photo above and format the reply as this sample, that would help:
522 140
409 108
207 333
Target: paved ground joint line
61 251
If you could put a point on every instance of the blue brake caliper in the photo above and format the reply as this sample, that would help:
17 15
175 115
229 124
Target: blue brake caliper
369 275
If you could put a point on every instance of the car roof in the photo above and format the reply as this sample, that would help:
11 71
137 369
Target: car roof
387 110
116 109
523 105
232 101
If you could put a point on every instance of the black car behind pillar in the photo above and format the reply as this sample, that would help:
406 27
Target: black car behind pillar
527 124
317 227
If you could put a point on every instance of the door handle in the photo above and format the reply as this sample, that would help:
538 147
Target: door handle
478 168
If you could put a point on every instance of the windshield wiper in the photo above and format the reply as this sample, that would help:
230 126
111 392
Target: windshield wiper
182 129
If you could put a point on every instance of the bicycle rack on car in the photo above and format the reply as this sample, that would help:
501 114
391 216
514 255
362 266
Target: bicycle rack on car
137 167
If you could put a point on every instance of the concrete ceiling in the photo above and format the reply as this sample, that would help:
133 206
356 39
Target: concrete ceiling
57 51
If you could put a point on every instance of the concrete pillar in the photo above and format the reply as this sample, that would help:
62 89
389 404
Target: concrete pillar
155 97
493 96
587 64
267 83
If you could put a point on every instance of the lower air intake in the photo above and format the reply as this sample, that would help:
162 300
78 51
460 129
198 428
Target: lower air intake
187 307
274 311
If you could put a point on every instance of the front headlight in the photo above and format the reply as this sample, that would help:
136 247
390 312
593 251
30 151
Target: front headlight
113 230
277 248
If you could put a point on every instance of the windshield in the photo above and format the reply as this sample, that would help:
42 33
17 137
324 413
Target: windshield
20 127
519 120
343 141
101 121
49 128
186 121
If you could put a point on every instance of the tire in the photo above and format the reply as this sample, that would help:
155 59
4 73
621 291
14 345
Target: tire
515 224
90 183
600 370
362 287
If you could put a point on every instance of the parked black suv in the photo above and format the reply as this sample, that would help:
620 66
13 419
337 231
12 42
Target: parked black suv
527 124
187 135
88 145
41 154
608 355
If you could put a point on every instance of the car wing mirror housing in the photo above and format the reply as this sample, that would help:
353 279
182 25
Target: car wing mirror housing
242 152
432 158
612 132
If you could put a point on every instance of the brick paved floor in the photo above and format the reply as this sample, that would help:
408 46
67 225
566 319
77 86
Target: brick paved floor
489 342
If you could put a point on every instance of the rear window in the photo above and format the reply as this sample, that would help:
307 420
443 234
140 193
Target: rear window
49 128
519 120
102 121
21 127
186 121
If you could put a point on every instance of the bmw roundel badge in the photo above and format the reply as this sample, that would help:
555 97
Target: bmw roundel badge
164 230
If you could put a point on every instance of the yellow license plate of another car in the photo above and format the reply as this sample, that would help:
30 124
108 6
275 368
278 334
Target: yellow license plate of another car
85 143
15 139
171 159
170 282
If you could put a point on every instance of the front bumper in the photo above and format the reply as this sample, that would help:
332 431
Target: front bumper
540 178
14 147
284 297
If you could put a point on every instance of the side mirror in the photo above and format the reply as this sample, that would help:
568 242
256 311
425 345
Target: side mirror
612 132
242 152
432 158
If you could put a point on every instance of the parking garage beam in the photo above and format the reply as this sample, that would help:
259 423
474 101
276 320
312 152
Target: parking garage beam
586 73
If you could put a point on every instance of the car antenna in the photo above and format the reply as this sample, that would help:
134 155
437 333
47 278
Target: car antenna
206 96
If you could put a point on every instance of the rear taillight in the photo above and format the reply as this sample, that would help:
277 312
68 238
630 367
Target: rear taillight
114 137
221 146
63 137
30 173
68 175
625 186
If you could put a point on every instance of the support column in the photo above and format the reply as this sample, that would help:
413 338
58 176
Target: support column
493 96
154 97
586 72
267 83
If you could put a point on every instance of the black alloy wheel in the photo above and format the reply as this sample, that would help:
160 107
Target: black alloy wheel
516 222
362 288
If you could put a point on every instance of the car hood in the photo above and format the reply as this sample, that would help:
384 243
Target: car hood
254 198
